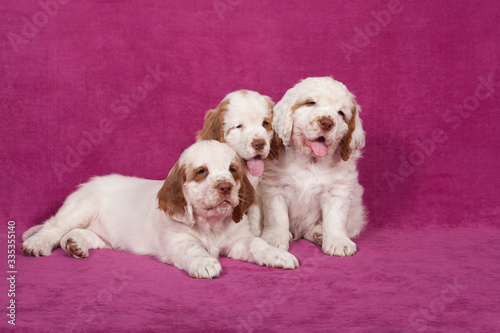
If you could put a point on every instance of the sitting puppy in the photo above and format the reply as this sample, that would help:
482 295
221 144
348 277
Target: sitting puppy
187 221
313 190
243 120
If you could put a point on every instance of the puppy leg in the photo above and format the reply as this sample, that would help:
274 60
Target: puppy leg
78 242
31 231
255 218
335 239
357 213
315 234
276 230
256 250
75 213
191 257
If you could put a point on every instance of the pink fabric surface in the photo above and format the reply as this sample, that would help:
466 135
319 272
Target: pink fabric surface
440 280
96 87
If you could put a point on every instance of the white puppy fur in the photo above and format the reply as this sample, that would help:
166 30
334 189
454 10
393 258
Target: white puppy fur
312 191
188 220
243 120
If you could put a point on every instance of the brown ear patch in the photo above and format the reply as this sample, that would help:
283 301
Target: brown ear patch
275 145
213 128
247 199
171 198
267 124
236 170
274 149
345 144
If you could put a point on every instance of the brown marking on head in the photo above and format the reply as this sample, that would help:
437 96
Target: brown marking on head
171 198
236 170
246 194
302 103
345 144
214 123
275 147
267 124
296 106
197 175
275 144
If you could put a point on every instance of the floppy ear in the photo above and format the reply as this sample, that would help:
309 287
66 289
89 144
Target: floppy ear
358 136
247 199
275 145
213 128
283 116
171 197
345 144
274 149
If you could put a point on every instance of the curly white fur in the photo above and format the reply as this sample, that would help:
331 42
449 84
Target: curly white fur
312 191
243 120
186 221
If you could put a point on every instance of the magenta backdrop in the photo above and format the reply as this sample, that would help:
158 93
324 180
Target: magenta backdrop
97 87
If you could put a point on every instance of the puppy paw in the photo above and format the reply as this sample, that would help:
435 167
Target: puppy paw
278 239
283 260
315 235
265 255
340 246
36 246
74 248
205 268
318 238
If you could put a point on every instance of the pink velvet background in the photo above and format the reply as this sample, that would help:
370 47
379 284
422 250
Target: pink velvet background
78 100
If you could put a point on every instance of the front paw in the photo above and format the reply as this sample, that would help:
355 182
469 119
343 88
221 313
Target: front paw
205 268
340 246
36 246
282 259
281 240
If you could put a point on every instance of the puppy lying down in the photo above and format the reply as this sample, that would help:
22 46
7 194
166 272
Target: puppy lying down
187 221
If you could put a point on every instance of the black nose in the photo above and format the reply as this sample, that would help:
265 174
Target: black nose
258 144
325 123
224 188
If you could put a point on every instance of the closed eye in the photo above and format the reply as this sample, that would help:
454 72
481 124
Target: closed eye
311 103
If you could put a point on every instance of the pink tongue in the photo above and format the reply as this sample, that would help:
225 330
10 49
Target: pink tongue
319 148
256 166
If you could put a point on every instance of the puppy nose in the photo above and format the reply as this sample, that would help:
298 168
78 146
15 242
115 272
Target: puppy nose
326 124
258 144
224 188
